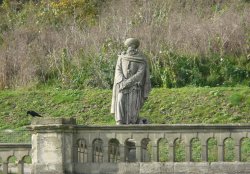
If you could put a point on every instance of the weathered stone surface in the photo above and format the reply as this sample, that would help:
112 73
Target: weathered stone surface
191 168
93 168
109 168
47 154
57 150
229 168
167 168
50 121
128 168
162 168
131 84
150 168
47 169
52 151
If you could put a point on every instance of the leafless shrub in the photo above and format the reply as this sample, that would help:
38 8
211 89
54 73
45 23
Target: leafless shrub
188 26
30 53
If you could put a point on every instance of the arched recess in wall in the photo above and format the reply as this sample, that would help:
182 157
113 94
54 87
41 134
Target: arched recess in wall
212 150
163 150
97 150
114 151
195 150
179 150
130 150
228 149
12 164
82 151
146 150
245 150
27 159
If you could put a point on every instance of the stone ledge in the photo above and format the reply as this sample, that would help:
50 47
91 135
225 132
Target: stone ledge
52 125
48 121
53 121
160 168
15 145
162 127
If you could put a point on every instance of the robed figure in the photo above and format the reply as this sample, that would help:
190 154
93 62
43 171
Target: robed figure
131 84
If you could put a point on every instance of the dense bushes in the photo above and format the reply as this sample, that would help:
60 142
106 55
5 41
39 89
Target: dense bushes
173 70
74 44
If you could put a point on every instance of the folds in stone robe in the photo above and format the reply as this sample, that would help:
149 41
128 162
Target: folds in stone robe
131 87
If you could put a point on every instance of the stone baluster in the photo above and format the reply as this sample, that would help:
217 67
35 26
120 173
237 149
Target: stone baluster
187 140
138 151
220 137
220 151
122 152
105 151
237 137
5 167
204 146
188 152
171 151
126 153
155 151
90 153
155 138
204 151
237 151
20 167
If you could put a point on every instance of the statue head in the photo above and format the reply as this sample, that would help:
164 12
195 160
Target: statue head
132 42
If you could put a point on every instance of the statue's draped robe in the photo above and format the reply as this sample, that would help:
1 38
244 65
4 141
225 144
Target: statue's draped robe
131 87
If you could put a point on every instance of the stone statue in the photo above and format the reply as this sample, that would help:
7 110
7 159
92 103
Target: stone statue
131 84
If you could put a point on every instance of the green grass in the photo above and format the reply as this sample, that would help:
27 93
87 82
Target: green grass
164 106
21 136
179 150
196 150
245 151
164 150
87 106
198 105
212 150
92 106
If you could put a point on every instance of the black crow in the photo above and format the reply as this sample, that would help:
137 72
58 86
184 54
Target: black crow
143 121
33 114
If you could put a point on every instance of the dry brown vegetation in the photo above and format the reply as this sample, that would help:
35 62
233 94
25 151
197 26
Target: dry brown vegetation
39 45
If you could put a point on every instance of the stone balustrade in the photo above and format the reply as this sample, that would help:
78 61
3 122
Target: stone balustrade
137 134
61 146
19 151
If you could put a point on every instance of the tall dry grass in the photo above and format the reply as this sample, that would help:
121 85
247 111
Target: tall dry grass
191 27
37 49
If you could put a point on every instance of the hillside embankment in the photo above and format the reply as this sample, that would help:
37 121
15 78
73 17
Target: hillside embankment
92 106
74 43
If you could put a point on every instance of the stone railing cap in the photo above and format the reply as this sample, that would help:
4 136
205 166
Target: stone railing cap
53 121
166 127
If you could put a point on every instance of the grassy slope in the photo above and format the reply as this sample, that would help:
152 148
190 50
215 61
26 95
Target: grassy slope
91 106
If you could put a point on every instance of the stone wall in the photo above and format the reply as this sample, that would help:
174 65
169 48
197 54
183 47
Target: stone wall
19 151
61 146
164 168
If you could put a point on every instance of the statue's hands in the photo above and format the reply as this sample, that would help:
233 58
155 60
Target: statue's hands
125 84
122 85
